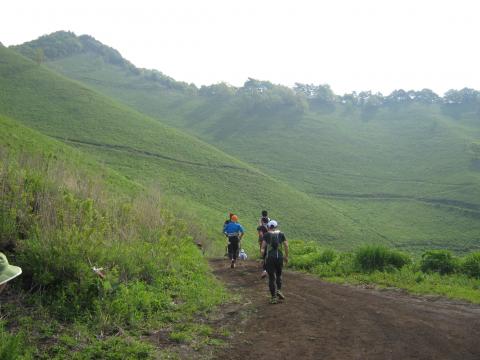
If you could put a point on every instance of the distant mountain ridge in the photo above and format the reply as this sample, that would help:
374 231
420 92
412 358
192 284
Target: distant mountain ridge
63 44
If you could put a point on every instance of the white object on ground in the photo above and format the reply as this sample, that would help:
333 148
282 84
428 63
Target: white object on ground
243 255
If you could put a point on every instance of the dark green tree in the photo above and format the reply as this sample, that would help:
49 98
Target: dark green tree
39 56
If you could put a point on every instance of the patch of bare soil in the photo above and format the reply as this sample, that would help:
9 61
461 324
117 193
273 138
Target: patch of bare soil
320 320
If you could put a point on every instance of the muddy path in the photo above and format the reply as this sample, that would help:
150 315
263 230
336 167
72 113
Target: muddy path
320 320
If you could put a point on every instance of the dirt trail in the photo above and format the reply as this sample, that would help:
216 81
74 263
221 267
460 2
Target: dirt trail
320 320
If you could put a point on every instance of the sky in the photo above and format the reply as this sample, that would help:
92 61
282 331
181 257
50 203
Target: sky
349 44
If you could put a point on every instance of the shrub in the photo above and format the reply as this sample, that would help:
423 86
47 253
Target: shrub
12 347
344 264
309 256
471 265
375 257
441 261
327 256
300 247
307 261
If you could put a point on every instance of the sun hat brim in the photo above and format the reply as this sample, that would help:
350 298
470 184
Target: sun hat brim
9 273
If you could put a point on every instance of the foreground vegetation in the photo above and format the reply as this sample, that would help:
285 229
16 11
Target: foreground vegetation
58 222
435 272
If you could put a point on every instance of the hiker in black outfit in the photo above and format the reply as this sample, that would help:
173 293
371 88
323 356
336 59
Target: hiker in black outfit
262 227
273 242
262 230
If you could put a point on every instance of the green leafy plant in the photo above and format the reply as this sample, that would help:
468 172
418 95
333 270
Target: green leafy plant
471 265
441 261
376 257
12 346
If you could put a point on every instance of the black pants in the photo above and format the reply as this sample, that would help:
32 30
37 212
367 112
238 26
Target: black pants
233 242
263 256
260 241
274 266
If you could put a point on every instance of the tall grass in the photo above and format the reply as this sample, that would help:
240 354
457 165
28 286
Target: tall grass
471 265
441 261
12 346
374 257
390 268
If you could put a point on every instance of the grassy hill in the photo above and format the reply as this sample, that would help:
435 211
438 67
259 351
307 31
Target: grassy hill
86 181
61 214
142 149
408 173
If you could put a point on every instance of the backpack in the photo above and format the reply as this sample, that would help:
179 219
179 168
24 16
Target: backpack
274 243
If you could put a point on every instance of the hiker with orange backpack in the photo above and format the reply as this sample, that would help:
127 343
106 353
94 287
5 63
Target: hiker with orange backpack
229 220
234 232
273 243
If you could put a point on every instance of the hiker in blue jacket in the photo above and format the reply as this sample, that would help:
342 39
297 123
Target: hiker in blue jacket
234 231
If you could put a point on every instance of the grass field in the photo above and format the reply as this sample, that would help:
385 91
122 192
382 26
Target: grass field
90 180
402 175
153 154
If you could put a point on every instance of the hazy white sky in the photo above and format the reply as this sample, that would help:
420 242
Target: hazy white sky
349 44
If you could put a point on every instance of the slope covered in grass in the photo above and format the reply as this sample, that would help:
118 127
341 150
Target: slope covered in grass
407 172
149 152
61 215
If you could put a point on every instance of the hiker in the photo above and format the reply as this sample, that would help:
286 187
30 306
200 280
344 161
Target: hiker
234 231
228 221
262 230
264 219
273 243
262 227
7 271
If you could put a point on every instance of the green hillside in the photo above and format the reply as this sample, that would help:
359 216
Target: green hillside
408 171
61 215
145 150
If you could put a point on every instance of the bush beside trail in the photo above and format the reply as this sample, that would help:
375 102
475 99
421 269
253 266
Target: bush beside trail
374 257
441 261
437 272
471 265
